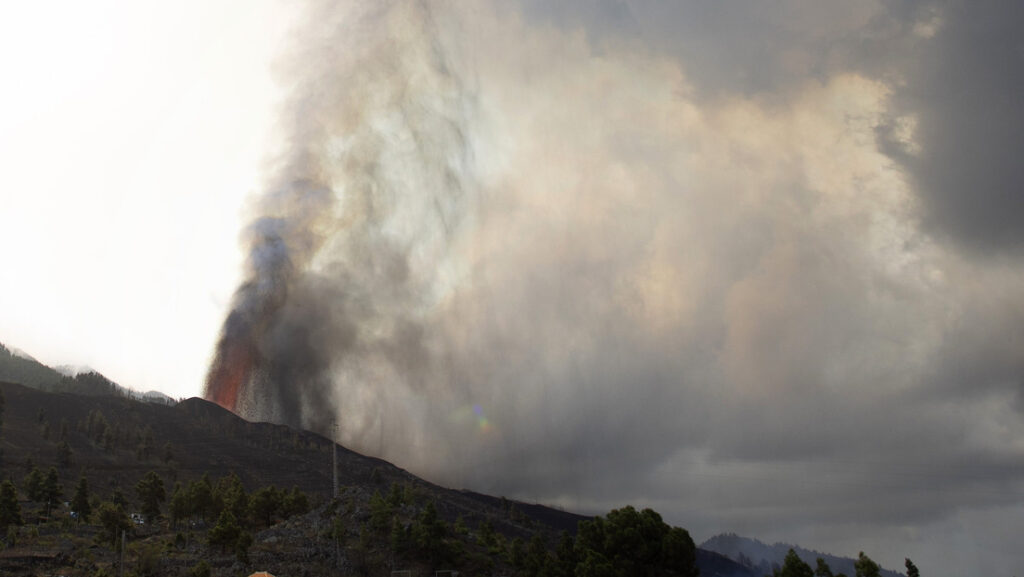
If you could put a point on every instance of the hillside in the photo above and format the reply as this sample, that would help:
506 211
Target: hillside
16 367
115 441
763 558
114 438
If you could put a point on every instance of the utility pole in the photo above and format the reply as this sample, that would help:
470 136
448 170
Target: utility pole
334 450
334 523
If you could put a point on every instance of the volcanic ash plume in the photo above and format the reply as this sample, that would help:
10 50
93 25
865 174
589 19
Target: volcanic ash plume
349 238
547 259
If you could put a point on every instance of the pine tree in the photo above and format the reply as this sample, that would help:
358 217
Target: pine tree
429 531
33 485
566 556
201 497
265 505
151 492
822 570
180 505
231 494
114 521
117 497
226 532
794 566
80 502
380 512
401 538
865 567
485 534
536 555
912 569
294 503
52 489
10 509
459 527
242 544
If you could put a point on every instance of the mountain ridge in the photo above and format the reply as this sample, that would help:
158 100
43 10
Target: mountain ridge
763 558
17 366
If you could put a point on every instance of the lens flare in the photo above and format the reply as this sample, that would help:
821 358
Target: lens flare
483 423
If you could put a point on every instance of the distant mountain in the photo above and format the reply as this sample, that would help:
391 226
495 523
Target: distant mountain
155 397
73 370
17 366
20 353
763 558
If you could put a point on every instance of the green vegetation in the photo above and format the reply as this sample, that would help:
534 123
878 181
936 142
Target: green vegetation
429 533
627 542
180 505
202 569
865 567
201 498
225 533
33 485
114 520
10 509
622 544
151 493
822 569
52 490
793 566
80 505
265 504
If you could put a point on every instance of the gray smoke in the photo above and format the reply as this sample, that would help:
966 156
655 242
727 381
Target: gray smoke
675 255
349 243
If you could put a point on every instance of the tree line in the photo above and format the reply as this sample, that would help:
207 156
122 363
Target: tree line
237 511
864 566
624 543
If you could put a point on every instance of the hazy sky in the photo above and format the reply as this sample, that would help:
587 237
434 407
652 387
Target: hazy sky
131 134
757 265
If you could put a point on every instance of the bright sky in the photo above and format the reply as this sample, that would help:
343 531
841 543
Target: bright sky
131 134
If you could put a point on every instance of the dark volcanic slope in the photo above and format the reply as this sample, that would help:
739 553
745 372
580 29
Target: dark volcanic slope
555 518
197 437
115 440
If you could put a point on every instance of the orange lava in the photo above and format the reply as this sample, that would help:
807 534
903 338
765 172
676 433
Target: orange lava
229 374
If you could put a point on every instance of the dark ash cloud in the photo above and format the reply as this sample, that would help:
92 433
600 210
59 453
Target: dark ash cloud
962 90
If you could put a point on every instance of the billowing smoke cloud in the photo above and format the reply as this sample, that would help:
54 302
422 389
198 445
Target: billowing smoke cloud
571 254
348 250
